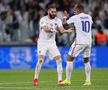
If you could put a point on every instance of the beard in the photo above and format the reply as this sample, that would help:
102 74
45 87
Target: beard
52 16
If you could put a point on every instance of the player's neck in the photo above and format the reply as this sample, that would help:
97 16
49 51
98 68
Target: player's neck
50 18
79 13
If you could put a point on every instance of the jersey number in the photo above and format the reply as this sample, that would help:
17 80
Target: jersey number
85 26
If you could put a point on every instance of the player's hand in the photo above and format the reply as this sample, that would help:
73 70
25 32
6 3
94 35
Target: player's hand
65 15
53 30
69 30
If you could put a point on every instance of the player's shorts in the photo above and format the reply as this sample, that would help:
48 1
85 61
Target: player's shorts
78 48
48 48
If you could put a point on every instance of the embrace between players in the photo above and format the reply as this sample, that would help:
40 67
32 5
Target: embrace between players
49 26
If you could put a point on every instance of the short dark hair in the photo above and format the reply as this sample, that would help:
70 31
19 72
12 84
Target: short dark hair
80 7
51 6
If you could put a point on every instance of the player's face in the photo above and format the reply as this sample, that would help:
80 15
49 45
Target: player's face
52 13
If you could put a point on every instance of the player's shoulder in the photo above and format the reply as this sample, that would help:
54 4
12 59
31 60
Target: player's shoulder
90 17
43 18
72 18
87 14
57 19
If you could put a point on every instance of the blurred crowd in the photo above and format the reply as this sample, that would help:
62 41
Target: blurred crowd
19 18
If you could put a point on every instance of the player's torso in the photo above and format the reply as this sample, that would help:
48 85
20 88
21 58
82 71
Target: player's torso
83 29
48 36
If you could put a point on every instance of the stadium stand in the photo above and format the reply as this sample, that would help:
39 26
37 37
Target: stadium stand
19 18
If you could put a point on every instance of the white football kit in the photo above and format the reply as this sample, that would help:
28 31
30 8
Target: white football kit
83 23
46 41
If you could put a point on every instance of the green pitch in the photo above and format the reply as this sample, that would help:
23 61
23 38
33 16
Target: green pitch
22 80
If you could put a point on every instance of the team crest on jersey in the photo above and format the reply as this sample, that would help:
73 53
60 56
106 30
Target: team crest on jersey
39 51
42 22
51 24
55 24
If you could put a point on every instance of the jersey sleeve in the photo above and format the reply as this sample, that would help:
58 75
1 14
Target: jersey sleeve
71 20
42 22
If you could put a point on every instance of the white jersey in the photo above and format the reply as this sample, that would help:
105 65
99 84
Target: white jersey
51 23
83 23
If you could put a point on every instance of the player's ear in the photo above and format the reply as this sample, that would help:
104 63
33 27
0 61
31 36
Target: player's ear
48 10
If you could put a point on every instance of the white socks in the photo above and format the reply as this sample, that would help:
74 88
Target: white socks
59 69
37 69
69 69
87 71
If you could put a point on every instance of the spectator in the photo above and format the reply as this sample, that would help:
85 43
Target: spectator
106 20
100 37
27 13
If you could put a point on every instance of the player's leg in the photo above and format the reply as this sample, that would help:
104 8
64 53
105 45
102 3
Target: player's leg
41 54
73 52
59 68
87 66
54 52
69 69
38 66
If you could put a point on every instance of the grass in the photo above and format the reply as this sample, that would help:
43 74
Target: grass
22 80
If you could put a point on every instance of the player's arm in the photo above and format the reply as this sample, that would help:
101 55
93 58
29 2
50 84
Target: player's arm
62 30
47 29
64 21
